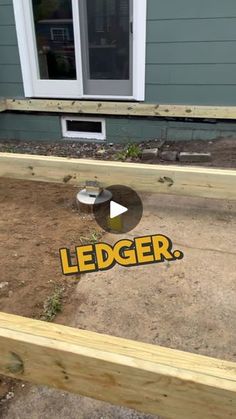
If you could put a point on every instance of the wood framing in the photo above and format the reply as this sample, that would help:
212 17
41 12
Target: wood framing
175 180
144 377
3 106
121 108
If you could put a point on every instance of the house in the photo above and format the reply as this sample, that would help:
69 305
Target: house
63 61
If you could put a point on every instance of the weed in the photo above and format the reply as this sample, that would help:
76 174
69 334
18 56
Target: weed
53 305
132 151
121 156
94 238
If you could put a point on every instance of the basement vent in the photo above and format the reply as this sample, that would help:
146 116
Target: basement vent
87 128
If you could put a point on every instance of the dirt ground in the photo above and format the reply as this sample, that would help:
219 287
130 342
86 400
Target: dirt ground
223 151
187 305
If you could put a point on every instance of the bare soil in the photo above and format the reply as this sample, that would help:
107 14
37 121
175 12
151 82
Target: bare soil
187 305
223 150
36 221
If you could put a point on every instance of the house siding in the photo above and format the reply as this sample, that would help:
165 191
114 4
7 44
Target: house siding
191 52
190 59
11 84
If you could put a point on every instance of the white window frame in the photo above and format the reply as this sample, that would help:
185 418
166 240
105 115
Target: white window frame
73 89
80 134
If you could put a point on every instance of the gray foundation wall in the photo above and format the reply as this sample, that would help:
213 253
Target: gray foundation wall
191 59
126 130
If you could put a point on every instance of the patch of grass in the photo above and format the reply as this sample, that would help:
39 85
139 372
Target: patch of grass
120 156
53 305
132 151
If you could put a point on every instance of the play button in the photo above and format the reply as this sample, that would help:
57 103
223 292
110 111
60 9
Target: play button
116 210
123 211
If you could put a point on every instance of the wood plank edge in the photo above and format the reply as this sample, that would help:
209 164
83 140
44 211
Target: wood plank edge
122 374
141 109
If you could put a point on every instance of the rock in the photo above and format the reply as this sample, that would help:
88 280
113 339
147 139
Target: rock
150 153
159 143
188 157
101 152
10 294
10 395
3 285
169 155
4 289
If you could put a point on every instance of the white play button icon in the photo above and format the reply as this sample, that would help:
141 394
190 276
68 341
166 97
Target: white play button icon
121 213
116 209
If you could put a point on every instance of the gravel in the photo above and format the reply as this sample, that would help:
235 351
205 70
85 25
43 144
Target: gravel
223 151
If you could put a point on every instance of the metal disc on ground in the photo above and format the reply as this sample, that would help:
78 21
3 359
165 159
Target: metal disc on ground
86 203
123 213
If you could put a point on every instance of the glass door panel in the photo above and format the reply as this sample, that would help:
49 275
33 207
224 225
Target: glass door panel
54 32
106 27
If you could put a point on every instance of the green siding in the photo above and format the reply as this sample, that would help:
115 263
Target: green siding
191 30
11 89
190 9
11 84
7 14
191 52
9 54
8 35
10 73
192 94
189 74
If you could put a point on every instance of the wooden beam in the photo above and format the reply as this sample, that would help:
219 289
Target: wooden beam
3 105
121 108
175 180
144 377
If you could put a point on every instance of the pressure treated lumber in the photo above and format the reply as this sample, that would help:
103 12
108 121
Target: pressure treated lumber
3 105
121 108
145 377
175 180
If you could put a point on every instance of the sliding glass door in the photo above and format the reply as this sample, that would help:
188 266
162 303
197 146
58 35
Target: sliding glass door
82 48
107 46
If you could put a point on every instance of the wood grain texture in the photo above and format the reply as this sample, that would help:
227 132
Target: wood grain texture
147 378
175 180
2 105
120 108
